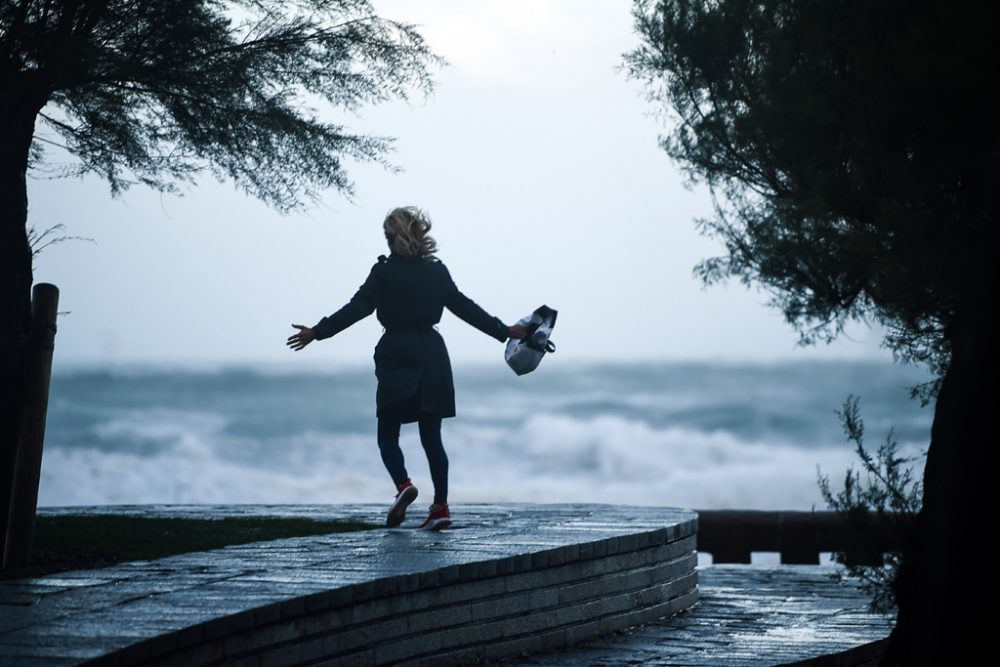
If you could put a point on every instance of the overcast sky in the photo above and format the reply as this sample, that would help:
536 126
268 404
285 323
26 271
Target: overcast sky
539 166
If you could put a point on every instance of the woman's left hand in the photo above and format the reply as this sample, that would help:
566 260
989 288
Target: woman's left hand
305 336
517 331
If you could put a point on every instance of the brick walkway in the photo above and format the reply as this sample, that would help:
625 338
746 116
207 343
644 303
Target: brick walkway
524 577
748 615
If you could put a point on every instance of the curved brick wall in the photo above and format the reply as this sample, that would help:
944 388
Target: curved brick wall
512 580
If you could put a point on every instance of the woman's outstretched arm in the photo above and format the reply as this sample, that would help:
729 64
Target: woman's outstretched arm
472 313
361 305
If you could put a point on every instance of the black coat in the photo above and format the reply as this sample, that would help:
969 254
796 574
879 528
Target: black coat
411 360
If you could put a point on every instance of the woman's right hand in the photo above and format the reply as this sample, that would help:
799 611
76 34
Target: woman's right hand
299 340
517 331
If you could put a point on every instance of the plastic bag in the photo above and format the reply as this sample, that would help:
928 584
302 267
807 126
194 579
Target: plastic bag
523 356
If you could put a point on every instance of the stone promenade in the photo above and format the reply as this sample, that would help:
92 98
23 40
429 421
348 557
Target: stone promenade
748 616
508 581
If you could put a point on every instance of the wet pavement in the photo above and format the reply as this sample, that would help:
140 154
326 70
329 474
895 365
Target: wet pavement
242 599
748 615
140 612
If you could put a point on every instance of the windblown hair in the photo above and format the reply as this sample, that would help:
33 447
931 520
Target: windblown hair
406 231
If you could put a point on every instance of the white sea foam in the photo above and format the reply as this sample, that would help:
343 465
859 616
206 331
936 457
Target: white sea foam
186 432
546 457
553 458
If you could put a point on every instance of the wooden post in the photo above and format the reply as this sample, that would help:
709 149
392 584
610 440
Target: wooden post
28 460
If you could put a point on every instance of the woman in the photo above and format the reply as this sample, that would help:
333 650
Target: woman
409 289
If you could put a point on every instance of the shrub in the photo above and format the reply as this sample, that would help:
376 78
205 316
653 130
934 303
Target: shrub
880 502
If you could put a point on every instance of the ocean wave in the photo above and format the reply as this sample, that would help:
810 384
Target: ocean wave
546 457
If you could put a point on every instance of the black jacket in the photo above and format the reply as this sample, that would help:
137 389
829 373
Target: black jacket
409 295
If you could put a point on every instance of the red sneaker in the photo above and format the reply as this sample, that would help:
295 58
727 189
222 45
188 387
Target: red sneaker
439 517
406 495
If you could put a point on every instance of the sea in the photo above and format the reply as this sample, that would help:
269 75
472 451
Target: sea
699 435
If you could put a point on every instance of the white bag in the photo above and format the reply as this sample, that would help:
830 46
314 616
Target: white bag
524 355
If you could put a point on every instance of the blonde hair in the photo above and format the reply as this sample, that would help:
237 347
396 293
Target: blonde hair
406 232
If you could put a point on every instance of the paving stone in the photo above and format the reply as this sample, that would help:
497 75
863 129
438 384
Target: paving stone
747 615
508 579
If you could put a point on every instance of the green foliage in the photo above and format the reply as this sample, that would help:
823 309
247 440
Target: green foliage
880 501
846 145
155 91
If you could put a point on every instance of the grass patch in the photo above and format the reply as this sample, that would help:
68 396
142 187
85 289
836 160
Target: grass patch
70 542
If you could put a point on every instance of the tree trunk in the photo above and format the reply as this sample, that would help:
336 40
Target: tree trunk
938 576
18 109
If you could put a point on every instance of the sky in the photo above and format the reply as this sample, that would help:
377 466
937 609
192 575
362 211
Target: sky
538 163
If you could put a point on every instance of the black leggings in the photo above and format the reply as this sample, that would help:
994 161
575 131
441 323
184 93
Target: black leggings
430 438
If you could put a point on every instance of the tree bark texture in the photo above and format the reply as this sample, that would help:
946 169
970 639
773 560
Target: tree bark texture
18 110
938 578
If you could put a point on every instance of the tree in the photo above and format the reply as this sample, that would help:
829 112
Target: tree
158 91
852 153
